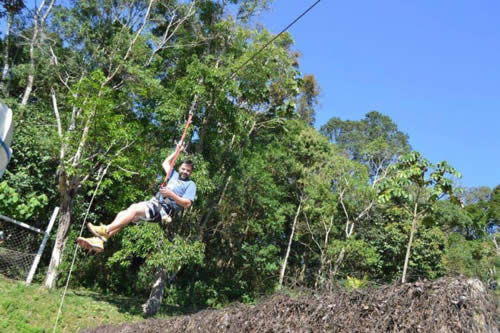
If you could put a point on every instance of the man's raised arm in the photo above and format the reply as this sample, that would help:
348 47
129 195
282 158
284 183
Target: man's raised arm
166 164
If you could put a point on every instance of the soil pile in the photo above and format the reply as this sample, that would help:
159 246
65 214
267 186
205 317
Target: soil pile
444 305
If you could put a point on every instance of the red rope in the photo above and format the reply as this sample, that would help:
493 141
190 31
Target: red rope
177 150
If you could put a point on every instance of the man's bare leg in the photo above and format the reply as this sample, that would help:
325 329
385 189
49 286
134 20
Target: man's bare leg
125 217
102 233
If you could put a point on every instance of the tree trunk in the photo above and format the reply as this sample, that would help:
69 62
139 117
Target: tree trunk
407 257
34 39
285 260
204 219
5 70
62 237
320 278
31 72
338 262
153 303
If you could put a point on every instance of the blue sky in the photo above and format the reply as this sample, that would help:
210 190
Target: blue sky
432 66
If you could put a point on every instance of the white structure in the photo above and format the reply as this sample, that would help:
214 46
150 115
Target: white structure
6 128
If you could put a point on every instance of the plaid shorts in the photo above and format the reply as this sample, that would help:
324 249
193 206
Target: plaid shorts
156 209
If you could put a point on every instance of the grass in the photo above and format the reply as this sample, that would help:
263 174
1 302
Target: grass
34 308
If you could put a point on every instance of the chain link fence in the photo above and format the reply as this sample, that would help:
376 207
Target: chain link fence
21 247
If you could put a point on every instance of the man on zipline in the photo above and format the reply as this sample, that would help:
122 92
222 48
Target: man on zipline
179 193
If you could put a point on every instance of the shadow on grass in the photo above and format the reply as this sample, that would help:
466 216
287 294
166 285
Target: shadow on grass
133 306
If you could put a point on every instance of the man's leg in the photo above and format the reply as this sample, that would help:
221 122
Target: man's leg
103 232
125 217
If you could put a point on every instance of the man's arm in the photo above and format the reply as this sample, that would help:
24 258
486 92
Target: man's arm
183 202
166 164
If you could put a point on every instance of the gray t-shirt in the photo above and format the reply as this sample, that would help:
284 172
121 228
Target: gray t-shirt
184 188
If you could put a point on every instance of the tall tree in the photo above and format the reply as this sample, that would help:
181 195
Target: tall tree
103 91
374 141
231 118
308 99
11 8
416 192
40 17
494 218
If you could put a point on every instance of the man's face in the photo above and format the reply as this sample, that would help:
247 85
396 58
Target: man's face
185 170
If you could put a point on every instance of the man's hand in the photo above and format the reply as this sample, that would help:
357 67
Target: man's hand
168 193
181 146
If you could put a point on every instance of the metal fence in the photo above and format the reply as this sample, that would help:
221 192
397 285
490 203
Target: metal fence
21 247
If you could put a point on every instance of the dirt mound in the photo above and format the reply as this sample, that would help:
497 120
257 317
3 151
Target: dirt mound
444 305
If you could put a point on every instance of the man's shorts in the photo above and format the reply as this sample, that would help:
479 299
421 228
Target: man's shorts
155 209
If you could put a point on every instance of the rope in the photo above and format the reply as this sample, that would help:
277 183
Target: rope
179 145
76 247
275 37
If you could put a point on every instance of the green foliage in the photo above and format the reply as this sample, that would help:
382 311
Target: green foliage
148 244
308 99
414 187
426 257
471 248
360 258
122 94
353 283
473 258
17 207
25 189
494 206
374 141
409 184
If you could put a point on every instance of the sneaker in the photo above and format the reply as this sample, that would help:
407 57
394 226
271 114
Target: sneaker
92 244
98 231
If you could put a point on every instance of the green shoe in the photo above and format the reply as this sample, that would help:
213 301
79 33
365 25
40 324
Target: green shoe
98 231
93 244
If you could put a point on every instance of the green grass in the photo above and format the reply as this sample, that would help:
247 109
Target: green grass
34 308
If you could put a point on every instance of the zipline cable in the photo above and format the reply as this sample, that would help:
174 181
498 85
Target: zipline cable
275 37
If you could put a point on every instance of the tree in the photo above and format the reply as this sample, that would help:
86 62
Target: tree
374 141
308 99
98 103
11 7
494 209
233 122
471 247
414 191
36 43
